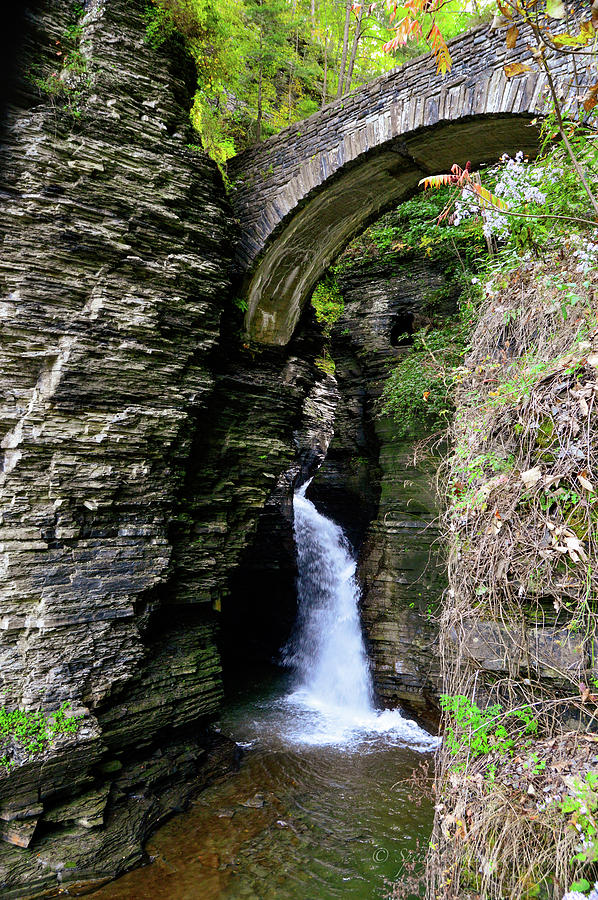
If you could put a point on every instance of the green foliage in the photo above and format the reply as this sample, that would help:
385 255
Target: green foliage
582 884
325 363
474 470
479 732
328 303
33 731
412 229
66 86
418 392
264 64
582 806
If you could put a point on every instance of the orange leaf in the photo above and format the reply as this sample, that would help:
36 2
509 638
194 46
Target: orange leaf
505 9
590 99
390 46
435 181
441 51
416 6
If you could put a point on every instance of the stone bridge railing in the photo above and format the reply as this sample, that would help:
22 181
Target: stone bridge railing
303 194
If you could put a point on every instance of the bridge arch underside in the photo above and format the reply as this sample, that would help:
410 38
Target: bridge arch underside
319 228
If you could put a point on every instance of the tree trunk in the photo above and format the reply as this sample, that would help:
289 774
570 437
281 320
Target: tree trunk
353 52
292 72
341 74
325 85
258 124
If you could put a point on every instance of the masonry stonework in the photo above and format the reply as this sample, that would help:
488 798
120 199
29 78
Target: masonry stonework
304 193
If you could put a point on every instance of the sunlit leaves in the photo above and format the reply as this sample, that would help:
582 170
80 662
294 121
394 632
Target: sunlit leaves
421 18
586 36
407 30
465 179
436 181
439 49
487 197
457 176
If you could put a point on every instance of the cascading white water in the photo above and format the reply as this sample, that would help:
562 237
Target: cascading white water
327 651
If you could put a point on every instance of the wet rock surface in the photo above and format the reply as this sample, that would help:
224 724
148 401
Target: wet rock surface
370 484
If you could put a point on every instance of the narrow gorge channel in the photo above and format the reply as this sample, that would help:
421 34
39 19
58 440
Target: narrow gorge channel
321 807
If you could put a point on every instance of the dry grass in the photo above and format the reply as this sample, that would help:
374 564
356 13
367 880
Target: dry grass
519 623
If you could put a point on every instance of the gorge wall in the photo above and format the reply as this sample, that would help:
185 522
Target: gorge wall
131 486
149 457
372 483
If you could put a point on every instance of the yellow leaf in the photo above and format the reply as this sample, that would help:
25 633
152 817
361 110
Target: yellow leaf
513 69
435 181
585 36
511 38
492 199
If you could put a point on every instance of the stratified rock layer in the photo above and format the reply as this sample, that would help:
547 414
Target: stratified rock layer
146 457
115 272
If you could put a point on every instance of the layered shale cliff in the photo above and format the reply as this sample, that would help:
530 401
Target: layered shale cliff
131 483
371 482
148 457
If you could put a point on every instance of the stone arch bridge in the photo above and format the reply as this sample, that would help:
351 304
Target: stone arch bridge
303 194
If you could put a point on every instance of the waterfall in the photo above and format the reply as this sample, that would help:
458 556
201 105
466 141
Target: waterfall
327 651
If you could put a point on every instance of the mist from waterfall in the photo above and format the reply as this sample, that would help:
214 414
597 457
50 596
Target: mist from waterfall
326 651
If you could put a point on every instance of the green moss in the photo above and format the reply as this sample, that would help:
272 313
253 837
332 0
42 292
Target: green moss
546 433
418 393
326 364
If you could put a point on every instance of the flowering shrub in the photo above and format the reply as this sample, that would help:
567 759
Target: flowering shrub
518 183
578 895
587 252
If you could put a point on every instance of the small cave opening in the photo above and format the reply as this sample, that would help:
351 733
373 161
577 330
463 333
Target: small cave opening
259 612
401 334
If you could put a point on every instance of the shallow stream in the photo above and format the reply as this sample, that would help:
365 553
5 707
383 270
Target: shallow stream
298 822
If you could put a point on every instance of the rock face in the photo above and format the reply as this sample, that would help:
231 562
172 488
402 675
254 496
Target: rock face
371 485
113 284
132 484
148 457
